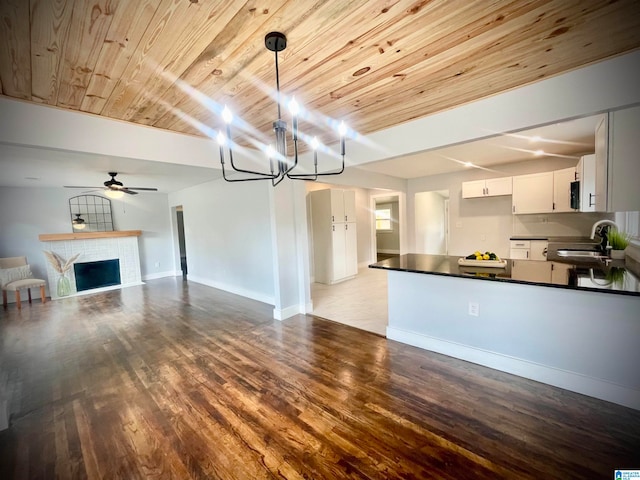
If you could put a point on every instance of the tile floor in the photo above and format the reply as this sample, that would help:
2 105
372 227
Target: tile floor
360 302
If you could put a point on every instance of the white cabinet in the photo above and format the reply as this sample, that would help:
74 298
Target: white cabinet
623 163
490 187
531 271
586 172
560 273
333 220
562 189
533 193
528 250
617 167
601 160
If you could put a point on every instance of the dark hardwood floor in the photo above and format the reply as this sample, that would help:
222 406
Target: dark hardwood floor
178 380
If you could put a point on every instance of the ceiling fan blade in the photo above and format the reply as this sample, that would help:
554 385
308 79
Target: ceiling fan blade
126 190
143 188
76 186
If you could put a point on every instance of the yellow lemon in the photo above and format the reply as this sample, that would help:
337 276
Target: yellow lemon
485 257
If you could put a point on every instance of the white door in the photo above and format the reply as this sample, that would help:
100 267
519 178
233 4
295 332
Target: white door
338 231
337 205
351 250
349 200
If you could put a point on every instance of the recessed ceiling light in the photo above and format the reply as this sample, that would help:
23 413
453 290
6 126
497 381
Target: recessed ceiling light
538 153
535 138
468 164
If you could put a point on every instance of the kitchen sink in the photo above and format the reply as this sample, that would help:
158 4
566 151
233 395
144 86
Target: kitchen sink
580 253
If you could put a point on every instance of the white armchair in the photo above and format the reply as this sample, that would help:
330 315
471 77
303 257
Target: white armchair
15 275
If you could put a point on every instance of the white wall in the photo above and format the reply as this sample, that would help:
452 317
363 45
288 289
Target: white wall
29 212
228 236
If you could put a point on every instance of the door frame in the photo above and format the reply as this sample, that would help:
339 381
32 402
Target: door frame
402 221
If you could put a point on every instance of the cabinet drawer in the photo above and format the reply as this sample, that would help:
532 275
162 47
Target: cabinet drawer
520 243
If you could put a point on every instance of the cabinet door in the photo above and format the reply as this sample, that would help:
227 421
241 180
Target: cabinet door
337 205
562 189
533 193
349 206
473 189
339 251
351 249
587 177
602 153
560 273
624 161
499 186
519 254
531 271
538 250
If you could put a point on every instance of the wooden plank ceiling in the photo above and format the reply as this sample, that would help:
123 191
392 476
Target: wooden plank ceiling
172 64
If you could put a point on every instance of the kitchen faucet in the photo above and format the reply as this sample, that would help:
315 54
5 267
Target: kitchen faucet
601 227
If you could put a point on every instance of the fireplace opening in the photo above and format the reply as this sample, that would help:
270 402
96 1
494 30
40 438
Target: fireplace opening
103 273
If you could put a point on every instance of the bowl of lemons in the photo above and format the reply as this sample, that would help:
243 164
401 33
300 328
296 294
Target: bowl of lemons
479 259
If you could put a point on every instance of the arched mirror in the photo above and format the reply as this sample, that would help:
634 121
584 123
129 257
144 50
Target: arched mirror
90 213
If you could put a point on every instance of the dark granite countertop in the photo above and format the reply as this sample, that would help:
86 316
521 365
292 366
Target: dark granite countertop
611 276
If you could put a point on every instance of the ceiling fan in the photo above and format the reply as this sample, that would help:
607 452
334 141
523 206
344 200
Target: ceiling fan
114 188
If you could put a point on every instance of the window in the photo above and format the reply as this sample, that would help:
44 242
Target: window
383 220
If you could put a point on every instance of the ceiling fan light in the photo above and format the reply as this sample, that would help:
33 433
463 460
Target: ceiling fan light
79 226
115 194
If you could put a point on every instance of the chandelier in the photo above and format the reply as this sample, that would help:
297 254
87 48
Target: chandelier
279 163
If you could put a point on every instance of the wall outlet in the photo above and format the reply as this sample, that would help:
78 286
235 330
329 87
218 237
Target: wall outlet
474 309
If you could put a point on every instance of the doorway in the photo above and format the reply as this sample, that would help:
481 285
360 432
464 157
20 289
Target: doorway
181 241
432 222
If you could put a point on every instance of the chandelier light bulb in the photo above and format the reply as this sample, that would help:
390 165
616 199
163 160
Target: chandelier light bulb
314 143
221 138
342 129
270 151
294 108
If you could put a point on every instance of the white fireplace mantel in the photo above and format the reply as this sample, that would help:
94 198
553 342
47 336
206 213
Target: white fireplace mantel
92 247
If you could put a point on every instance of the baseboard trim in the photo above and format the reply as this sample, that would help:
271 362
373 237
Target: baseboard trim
288 312
576 382
260 297
154 276
389 251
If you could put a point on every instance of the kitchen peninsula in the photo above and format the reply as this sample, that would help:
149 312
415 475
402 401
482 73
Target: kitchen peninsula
579 336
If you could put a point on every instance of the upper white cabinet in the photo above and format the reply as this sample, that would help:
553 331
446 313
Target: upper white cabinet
623 165
617 167
545 192
586 172
343 204
533 193
562 180
601 156
490 187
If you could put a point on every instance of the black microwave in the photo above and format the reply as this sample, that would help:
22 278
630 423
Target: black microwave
575 195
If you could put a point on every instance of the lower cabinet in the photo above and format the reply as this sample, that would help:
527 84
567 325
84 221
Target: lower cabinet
528 249
542 272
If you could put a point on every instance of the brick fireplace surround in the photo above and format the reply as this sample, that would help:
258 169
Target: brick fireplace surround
94 246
